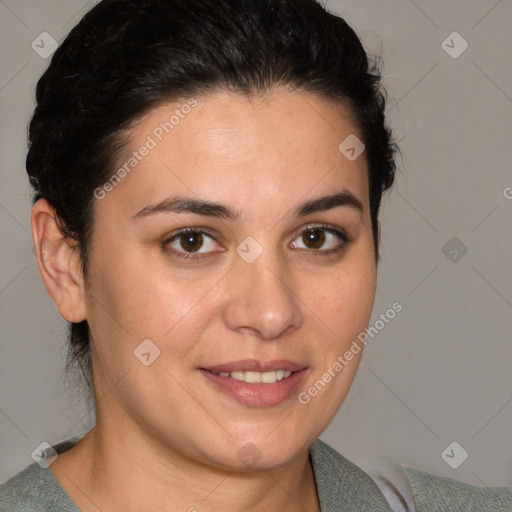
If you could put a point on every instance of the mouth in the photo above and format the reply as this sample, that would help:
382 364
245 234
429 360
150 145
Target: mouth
253 371
251 377
256 383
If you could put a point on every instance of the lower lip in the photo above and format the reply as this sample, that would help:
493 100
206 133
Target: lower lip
258 395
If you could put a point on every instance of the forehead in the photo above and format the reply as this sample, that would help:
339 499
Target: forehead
284 146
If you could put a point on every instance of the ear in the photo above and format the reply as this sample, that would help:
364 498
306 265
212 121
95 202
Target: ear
58 262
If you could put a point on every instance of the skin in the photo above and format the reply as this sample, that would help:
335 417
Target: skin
165 438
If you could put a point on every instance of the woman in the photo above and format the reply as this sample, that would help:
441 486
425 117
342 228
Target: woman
208 178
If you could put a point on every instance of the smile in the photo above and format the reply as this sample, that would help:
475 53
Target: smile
257 377
256 383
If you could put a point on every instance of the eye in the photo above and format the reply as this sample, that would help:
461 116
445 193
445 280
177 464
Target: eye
189 241
197 243
314 238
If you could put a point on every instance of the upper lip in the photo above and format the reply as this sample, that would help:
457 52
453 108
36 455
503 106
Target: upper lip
254 365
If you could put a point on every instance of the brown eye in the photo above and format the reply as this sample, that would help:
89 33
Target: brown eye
191 242
321 240
314 238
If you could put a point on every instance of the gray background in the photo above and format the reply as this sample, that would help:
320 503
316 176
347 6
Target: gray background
440 371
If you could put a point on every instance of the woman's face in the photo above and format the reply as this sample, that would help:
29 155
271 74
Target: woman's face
273 277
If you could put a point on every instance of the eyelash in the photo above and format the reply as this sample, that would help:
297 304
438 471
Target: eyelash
339 233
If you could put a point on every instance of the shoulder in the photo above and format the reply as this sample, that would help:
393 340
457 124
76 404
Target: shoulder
437 494
36 488
341 483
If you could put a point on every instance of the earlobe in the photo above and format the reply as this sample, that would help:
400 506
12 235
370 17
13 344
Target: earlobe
58 262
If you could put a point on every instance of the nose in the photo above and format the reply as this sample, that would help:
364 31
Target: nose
261 299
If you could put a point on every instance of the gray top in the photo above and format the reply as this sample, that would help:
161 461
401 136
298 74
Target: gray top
342 487
441 494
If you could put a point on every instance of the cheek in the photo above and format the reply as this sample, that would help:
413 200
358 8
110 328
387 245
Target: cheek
130 304
345 306
132 299
345 302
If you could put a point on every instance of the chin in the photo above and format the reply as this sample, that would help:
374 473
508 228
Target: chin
247 453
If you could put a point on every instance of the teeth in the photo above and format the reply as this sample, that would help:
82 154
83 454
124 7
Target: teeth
253 377
258 377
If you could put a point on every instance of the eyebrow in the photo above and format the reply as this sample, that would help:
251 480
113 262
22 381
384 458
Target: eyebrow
212 209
